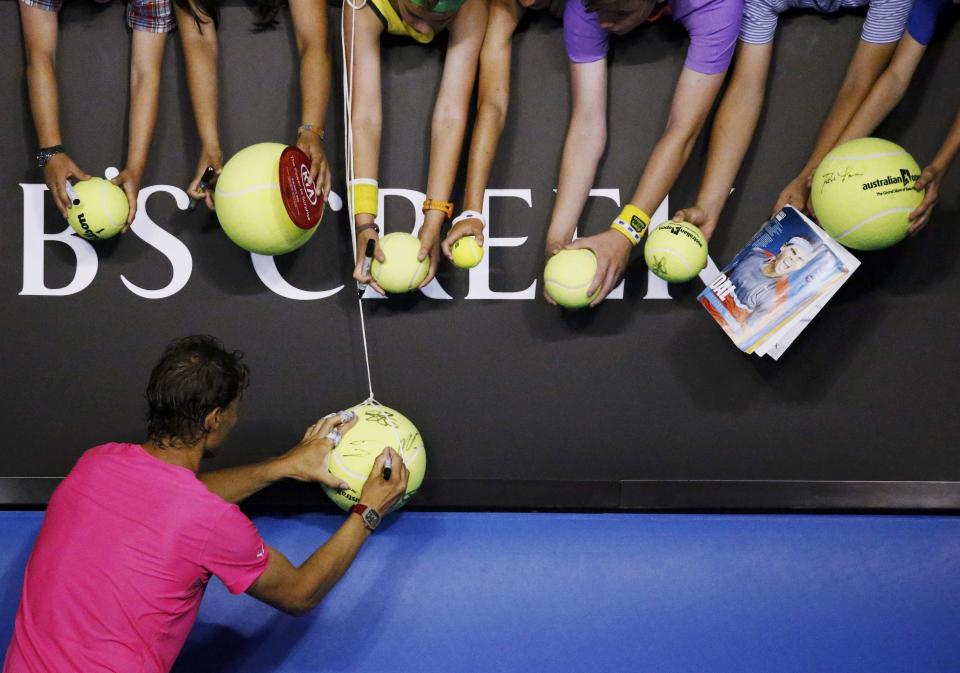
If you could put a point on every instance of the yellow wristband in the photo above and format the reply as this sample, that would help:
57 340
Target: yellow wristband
366 196
632 223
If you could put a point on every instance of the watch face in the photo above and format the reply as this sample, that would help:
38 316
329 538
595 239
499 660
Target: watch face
371 518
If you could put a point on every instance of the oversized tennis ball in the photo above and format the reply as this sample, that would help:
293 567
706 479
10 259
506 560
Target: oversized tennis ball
676 251
568 276
467 253
250 207
102 212
377 428
402 271
863 193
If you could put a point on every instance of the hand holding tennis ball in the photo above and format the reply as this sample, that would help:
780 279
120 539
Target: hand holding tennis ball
612 250
467 252
102 212
464 243
401 270
567 276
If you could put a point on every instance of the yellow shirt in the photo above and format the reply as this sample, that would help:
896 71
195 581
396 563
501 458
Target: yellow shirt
394 24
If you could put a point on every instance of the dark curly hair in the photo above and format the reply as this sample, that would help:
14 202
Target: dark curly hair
194 376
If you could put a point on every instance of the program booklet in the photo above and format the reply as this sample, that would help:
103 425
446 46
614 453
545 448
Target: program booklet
774 287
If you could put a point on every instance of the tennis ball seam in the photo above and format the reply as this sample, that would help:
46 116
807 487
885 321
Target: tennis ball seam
557 283
339 460
862 223
103 204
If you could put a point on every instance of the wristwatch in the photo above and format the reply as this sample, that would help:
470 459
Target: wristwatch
371 517
45 153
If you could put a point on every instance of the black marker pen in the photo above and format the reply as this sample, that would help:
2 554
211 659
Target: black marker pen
362 287
205 180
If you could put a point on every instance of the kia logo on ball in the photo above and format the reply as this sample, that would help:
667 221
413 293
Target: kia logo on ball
308 185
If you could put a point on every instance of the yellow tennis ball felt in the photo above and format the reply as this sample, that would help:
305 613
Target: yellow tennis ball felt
102 212
568 276
377 428
675 251
249 205
402 271
467 253
862 193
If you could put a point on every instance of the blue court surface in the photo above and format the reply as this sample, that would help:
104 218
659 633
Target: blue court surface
592 592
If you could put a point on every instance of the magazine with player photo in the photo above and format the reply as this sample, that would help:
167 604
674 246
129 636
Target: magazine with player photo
776 284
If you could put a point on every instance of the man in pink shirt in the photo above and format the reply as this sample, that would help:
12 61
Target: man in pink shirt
133 534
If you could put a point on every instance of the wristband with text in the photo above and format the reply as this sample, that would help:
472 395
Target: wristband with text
446 207
632 223
470 215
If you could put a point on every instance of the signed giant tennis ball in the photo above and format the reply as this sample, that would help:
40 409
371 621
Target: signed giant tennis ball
377 428
102 212
402 271
676 251
863 193
568 276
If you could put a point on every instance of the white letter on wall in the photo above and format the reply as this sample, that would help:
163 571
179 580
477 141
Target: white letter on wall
166 243
34 238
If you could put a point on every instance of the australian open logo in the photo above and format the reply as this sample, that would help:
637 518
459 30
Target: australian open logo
906 178
308 187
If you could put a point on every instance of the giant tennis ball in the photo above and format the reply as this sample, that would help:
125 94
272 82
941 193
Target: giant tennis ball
102 212
568 275
250 207
402 271
676 251
863 193
377 428
466 252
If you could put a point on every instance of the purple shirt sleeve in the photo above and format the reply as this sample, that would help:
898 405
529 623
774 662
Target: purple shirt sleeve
923 19
586 41
713 27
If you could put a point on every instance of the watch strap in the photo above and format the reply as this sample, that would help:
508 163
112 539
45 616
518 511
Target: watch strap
360 509
44 154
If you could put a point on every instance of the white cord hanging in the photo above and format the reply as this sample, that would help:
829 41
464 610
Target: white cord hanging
348 152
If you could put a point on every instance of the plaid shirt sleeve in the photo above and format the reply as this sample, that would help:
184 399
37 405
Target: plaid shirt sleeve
155 16
46 5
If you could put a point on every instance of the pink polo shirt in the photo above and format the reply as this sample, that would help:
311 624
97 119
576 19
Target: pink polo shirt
118 570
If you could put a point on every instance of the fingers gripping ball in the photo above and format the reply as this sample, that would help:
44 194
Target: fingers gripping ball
568 276
676 251
467 253
250 204
102 212
863 193
402 271
377 428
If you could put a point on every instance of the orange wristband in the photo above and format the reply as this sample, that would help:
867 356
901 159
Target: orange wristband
446 207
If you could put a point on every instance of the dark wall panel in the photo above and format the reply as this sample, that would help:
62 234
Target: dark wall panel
504 390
